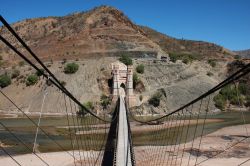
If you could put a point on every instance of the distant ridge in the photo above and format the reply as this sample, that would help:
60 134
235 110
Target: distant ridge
244 53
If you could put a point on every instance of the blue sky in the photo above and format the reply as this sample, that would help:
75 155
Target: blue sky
225 22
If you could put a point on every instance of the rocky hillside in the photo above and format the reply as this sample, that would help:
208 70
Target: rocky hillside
103 31
244 53
202 49
93 40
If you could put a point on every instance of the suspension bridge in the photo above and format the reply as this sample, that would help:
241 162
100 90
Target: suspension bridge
121 138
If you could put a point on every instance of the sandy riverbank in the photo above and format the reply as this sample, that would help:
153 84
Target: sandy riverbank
145 155
210 151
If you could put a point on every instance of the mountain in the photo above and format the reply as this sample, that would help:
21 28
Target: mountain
93 40
205 49
244 53
102 31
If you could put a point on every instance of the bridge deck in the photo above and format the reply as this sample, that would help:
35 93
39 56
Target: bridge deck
123 151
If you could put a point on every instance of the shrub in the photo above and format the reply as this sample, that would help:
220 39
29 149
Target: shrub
40 72
212 62
219 101
1 58
230 94
226 91
185 57
5 80
71 68
89 105
247 103
15 73
236 100
21 63
136 80
48 82
105 101
236 57
155 99
185 60
210 74
140 97
63 83
1 63
173 57
31 80
242 88
126 60
140 68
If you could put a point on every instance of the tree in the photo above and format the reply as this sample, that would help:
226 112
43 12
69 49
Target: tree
105 101
140 69
126 60
71 68
40 72
32 79
220 101
5 80
155 99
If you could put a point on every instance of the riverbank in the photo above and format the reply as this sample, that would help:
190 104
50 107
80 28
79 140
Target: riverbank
211 144
213 150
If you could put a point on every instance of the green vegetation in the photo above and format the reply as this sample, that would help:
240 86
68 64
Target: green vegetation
40 72
220 101
1 63
230 95
247 104
15 73
105 101
32 79
243 88
236 57
186 60
71 68
140 69
21 63
126 60
173 57
210 74
89 105
212 62
63 83
136 80
155 99
185 57
140 97
5 80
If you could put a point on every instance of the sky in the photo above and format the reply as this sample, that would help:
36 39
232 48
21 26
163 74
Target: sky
224 22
